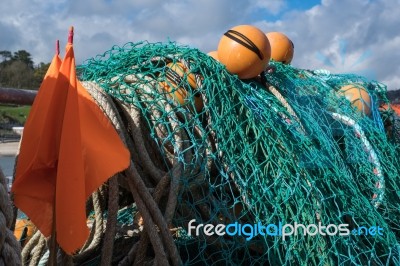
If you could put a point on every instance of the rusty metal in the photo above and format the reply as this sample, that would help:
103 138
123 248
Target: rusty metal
17 96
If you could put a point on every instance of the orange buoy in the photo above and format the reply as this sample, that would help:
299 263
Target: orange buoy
282 48
358 96
24 230
245 51
214 54
177 75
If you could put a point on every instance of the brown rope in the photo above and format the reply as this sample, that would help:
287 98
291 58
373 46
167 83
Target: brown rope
149 224
28 248
10 251
38 251
172 198
89 250
137 185
139 248
134 121
107 250
148 221
151 204
177 171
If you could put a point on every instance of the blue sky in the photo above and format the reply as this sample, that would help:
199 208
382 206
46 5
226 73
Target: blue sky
283 7
302 5
343 36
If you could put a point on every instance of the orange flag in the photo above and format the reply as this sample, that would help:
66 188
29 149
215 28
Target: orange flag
396 108
80 151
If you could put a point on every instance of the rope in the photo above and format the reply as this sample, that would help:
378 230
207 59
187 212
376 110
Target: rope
108 246
147 207
285 103
372 157
38 251
10 251
91 245
28 248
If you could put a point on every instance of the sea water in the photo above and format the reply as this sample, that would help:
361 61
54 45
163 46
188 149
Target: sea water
7 164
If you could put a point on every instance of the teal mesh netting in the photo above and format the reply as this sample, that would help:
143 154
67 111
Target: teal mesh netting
284 148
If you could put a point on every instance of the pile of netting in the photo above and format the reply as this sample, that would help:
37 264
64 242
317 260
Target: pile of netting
257 155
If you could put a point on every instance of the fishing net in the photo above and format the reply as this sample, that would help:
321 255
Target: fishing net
286 148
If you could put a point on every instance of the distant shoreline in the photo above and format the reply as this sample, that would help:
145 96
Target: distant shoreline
9 148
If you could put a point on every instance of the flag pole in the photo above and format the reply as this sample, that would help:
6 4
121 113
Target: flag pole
58 47
53 238
53 243
71 35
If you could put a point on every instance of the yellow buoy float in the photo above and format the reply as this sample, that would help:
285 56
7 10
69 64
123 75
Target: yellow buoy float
24 230
358 96
178 74
213 54
245 51
282 48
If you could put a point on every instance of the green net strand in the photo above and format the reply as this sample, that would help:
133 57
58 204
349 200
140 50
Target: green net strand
375 149
280 149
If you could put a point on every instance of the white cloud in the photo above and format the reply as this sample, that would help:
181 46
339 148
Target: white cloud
368 31
272 6
364 26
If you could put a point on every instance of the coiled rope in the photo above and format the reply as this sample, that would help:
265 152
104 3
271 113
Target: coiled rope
10 251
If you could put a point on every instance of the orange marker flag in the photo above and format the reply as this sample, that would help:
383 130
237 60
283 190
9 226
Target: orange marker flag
396 108
38 159
89 151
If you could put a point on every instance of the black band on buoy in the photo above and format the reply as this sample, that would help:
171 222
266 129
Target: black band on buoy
172 75
247 43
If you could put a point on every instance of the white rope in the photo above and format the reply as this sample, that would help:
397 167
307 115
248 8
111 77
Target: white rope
372 156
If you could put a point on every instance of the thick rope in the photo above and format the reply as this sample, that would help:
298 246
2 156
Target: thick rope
172 198
10 254
154 212
378 197
150 210
144 241
174 188
148 220
91 245
108 245
10 251
285 104
110 110
28 248
38 251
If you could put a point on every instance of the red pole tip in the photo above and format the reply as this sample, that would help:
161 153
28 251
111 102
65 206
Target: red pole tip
71 35
57 47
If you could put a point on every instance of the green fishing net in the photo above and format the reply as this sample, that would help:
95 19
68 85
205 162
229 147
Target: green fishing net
283 148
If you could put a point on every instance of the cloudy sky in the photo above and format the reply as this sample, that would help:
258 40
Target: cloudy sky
343 36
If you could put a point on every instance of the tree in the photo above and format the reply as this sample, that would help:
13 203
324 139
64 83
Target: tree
38 74
24 57
6 56
17 75
17 70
